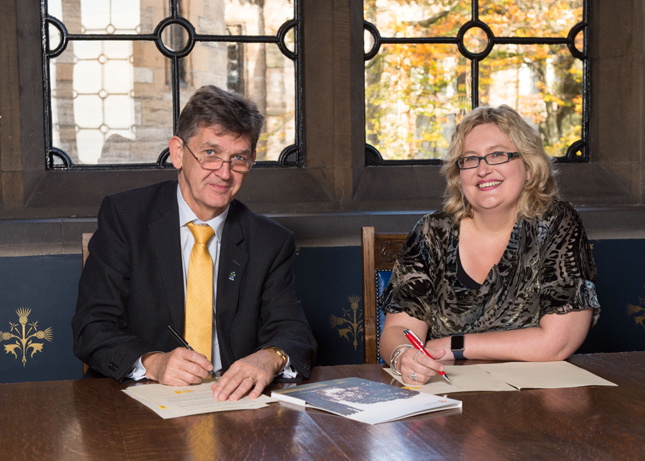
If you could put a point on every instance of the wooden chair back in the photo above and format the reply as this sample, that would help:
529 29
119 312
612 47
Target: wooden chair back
379 254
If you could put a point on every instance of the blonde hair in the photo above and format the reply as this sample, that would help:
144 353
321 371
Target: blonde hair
539 191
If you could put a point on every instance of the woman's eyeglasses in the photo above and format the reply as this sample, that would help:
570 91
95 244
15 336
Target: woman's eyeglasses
494 158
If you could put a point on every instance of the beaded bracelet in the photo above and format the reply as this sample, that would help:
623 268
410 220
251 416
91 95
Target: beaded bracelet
397 352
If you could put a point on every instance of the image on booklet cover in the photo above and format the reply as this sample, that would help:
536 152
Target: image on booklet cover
351 395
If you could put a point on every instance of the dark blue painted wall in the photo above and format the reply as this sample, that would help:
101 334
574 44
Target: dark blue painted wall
620 284
47 286
328 281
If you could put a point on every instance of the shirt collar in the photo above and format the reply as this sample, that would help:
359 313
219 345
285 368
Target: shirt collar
187 215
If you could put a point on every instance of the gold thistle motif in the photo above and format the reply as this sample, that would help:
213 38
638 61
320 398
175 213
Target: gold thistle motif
352 319
25 339
633 310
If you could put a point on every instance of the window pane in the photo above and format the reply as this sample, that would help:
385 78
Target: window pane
108 16
278 99
111 102
254 18
519 18
414 96
257 70
417 18
543 83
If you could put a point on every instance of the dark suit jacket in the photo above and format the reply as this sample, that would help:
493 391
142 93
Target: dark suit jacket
132 286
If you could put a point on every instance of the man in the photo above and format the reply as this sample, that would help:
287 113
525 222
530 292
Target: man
140 276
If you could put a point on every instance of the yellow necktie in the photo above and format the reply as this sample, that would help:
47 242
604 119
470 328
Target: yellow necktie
199 292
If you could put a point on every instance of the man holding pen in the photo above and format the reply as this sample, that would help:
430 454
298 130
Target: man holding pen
186 254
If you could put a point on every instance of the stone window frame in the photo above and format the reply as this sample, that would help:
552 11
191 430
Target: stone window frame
327 200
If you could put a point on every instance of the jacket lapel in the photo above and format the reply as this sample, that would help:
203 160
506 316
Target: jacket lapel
167 246
232 262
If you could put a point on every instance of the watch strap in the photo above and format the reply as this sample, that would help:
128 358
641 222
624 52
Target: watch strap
458 353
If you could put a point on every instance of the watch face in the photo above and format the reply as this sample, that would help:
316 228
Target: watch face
457 342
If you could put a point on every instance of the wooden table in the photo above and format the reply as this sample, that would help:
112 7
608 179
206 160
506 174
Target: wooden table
92 419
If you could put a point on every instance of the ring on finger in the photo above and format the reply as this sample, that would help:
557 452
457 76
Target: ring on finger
250 377
413 376
415 356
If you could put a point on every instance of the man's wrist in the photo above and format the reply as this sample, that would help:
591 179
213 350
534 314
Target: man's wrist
138 371
284 358
147 362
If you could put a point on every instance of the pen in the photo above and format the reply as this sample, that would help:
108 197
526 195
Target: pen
416 342
183 342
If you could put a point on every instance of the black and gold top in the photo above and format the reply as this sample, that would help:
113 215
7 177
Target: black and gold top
546 268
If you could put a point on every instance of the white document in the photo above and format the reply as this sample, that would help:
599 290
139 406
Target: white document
465 378
172 402
543 375
508 376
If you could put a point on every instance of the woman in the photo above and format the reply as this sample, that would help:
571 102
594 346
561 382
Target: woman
505 271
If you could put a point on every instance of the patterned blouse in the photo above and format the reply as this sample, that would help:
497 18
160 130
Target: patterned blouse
546 268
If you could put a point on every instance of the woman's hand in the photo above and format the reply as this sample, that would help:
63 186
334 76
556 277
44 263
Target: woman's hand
423 368
412 363
415 364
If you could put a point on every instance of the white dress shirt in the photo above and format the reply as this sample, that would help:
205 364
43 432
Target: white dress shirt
187 240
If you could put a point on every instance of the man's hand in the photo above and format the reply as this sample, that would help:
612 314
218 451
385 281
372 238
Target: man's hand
180 367
258 369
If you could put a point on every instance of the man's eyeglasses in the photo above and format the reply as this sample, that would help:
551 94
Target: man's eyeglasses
237 163
494 158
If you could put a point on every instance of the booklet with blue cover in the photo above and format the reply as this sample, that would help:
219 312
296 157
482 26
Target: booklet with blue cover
363 400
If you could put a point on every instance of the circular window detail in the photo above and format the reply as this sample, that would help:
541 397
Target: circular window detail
475 40
175 37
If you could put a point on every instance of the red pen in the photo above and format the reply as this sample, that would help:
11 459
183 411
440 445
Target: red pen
416 342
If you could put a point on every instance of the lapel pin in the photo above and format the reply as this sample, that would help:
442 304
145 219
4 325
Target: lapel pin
231 276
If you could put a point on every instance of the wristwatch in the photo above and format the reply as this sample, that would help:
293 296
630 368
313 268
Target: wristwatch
457 346
282 355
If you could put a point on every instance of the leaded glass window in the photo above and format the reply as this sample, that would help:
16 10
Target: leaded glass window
118 72
429 62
